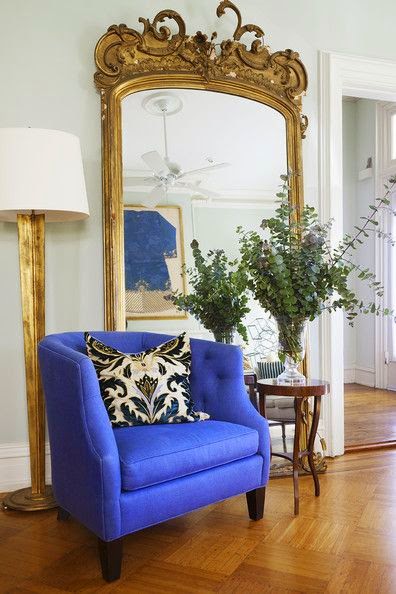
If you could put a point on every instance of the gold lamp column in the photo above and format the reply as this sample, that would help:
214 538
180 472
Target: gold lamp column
41 179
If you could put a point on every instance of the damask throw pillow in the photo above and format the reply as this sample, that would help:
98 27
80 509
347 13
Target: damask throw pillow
145 388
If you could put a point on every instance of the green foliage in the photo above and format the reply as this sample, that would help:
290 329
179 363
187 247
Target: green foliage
295 274
219 294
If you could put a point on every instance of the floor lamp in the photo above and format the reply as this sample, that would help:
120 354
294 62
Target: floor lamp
41 179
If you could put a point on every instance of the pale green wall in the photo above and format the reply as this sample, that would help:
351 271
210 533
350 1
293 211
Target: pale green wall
46 54
365 254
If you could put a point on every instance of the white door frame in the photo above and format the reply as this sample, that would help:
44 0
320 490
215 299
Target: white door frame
385 364
367 78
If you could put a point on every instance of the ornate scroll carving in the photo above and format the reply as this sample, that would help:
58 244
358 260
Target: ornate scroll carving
123 52
303 125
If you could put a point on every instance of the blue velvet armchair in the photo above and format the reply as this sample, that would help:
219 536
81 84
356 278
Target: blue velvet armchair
118 481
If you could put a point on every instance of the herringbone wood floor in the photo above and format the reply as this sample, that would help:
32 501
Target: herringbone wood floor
343 541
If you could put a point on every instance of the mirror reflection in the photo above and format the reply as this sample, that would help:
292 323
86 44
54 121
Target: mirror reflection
280 415
195 166
279 410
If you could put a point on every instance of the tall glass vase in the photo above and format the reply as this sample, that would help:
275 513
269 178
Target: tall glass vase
292 337
225 336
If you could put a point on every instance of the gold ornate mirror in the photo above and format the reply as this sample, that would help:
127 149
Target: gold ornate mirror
223 101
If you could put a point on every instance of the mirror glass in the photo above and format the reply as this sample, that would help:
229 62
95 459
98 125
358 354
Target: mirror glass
280 415
196 164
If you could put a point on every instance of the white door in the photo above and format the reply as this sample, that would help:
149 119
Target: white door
390 292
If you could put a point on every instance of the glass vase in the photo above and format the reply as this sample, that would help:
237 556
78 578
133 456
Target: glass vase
225 336
292 337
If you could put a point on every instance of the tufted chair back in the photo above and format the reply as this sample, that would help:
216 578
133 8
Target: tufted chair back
211 362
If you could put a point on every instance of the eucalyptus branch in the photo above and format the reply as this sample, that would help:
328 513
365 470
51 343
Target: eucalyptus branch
294 273
369 220
365 274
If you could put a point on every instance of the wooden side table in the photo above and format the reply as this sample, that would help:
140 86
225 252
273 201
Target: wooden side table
300 392
250 379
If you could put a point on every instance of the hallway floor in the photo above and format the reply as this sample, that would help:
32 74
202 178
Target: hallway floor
370 415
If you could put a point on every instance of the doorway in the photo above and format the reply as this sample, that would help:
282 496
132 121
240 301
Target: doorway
369 159
362 78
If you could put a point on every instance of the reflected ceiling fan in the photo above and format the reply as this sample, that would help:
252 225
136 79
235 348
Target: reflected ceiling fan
167 174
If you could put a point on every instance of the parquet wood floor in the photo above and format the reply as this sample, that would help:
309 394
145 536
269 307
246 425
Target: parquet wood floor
342 542
370 415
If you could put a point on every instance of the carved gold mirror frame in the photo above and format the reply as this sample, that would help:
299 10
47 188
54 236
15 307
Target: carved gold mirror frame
129 61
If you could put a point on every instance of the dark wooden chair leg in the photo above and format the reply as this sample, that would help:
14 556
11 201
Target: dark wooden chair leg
110 558
63 515
284 437
255 502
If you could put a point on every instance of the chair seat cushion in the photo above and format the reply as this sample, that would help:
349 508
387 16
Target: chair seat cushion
153 454
281 414
280 409
279 402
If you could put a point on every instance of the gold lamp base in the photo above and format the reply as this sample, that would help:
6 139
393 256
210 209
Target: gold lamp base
31 258
24 500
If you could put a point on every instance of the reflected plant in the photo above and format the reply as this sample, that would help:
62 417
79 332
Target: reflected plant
219 296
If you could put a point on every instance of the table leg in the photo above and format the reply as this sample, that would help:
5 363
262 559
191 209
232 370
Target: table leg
252 395
262 409
311 443
284 437
296 451
263 413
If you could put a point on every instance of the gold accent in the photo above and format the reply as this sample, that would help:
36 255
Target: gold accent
129 61
31 264
24 500
123 52
182 316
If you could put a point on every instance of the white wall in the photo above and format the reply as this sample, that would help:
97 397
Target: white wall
46 53
365 256
359 143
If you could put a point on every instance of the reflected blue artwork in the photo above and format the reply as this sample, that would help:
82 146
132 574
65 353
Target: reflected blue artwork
149 238
153 261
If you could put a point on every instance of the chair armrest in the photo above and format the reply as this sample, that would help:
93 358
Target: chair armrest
84 455
226 398
233 405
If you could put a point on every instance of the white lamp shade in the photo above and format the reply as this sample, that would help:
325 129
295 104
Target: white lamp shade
41 170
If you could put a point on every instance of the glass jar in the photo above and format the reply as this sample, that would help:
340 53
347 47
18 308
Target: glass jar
292 337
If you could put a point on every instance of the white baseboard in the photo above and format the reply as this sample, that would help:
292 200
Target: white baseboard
365 376
359 375
349 375
15 466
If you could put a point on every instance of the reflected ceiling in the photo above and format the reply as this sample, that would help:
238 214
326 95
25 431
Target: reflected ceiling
211 127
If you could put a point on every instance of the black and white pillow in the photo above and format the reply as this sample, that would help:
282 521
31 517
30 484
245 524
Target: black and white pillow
145 388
